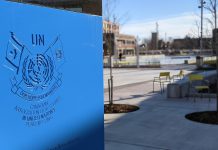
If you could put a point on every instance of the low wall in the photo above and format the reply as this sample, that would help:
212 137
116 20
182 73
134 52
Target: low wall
180 88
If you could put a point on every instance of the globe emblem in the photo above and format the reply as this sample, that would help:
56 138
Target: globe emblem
38 71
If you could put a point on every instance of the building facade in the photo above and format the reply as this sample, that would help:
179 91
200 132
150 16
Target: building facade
117 43
126 44
154 41
191 43
85 6
109 27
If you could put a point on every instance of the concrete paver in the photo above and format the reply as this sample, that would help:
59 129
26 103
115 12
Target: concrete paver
131 76
159 124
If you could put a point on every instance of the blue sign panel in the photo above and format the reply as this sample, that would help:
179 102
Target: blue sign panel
51 79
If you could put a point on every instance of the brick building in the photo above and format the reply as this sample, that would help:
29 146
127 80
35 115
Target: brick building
109 27
118 43
85 6
191 43
126 44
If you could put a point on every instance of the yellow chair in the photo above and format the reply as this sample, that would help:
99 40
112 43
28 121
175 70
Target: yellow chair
163 78
178 76
197 83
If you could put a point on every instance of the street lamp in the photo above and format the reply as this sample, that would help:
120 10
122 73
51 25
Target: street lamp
215 10
202 8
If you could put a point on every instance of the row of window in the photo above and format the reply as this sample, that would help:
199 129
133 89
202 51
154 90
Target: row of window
125 42
127 51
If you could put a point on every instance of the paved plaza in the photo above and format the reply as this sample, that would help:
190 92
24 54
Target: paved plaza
123 77
160 122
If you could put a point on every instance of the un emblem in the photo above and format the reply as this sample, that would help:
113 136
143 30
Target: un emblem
36 75
38 71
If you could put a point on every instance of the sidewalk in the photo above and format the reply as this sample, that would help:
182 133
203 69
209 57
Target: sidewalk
123 77
159 124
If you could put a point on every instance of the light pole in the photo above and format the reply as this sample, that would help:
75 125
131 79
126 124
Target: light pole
137 51
215 37
202 9
215 14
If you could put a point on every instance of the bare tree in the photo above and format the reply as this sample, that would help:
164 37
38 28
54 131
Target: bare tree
211 6
110 15
195 31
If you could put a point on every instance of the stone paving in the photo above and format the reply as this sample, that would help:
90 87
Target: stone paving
124 77
159 124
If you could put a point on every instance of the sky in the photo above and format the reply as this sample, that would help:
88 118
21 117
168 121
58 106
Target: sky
176 18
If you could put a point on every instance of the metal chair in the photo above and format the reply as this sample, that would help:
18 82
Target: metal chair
197 84
178 76
164 77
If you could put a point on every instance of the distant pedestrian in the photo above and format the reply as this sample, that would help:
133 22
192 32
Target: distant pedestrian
120 56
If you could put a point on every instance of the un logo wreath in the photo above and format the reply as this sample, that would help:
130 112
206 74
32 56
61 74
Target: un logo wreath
37 71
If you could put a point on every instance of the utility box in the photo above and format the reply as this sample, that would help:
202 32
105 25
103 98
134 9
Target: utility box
173 90
199 61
